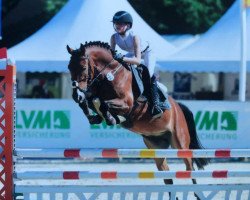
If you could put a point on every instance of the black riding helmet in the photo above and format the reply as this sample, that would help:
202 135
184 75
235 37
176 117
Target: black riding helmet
123 17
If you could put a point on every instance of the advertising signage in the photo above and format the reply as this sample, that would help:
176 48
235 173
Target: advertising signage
62 124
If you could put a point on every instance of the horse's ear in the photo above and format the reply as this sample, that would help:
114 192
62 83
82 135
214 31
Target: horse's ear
69 49
82 48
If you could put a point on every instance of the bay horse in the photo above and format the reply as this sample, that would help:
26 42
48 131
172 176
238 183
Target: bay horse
95 73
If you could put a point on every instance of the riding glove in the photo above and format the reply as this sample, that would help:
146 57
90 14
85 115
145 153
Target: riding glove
119 57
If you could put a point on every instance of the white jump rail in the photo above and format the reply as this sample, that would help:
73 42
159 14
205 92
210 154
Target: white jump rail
121 192
131 153
135 192
76 175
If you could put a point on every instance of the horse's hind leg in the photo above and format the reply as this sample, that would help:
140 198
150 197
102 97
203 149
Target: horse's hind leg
189 166
161 164
155 142
182 144
181 139
160 142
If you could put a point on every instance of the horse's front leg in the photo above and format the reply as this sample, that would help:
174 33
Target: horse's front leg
110 119
120 109
80 98
103 110
118 106
110 109
93 119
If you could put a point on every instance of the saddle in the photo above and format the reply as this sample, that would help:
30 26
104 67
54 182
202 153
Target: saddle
142 84
141 87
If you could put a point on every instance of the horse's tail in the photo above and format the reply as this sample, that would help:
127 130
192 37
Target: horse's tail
194 140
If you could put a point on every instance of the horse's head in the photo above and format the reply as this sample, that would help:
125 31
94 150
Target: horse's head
87 64
78 67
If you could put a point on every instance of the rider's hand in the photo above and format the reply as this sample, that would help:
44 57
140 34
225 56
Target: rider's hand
119 57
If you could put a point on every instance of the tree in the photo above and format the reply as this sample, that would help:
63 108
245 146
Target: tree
165 16
181 16
19 25
8 5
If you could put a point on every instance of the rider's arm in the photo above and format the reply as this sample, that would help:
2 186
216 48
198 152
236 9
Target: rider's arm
137 58
112 42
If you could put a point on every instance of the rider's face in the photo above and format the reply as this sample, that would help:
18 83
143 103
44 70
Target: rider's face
120 27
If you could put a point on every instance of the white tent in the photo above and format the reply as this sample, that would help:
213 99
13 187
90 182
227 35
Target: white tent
181 41
77 22
217 50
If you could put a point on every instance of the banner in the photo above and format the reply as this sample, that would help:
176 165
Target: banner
62 124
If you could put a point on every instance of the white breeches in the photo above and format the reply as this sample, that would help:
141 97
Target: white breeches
148 59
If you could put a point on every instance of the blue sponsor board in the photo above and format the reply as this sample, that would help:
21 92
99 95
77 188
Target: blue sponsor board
61 123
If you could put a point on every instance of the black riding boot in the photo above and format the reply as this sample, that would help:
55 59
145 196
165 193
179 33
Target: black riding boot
156 110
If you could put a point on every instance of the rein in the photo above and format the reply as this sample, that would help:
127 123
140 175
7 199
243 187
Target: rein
90 83
75 84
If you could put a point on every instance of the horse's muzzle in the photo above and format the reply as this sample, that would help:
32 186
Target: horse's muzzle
79 95
75 84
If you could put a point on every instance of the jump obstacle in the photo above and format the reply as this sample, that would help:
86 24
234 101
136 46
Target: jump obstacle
12 189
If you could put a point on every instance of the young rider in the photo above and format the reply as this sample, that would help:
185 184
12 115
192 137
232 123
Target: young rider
137 50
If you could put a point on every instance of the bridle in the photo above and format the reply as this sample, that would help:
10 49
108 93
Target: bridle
91 73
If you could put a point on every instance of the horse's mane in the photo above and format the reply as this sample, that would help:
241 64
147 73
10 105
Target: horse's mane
104 45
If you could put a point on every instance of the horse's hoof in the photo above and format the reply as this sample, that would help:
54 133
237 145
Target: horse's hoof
110 120
127 124
197 197
95 119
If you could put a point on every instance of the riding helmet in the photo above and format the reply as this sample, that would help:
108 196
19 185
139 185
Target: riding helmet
123 17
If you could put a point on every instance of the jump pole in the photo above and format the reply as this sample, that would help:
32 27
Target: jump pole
7 88
77 175
131 153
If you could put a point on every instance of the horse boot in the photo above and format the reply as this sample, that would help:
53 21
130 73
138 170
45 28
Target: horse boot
110 120
155 99
93 119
